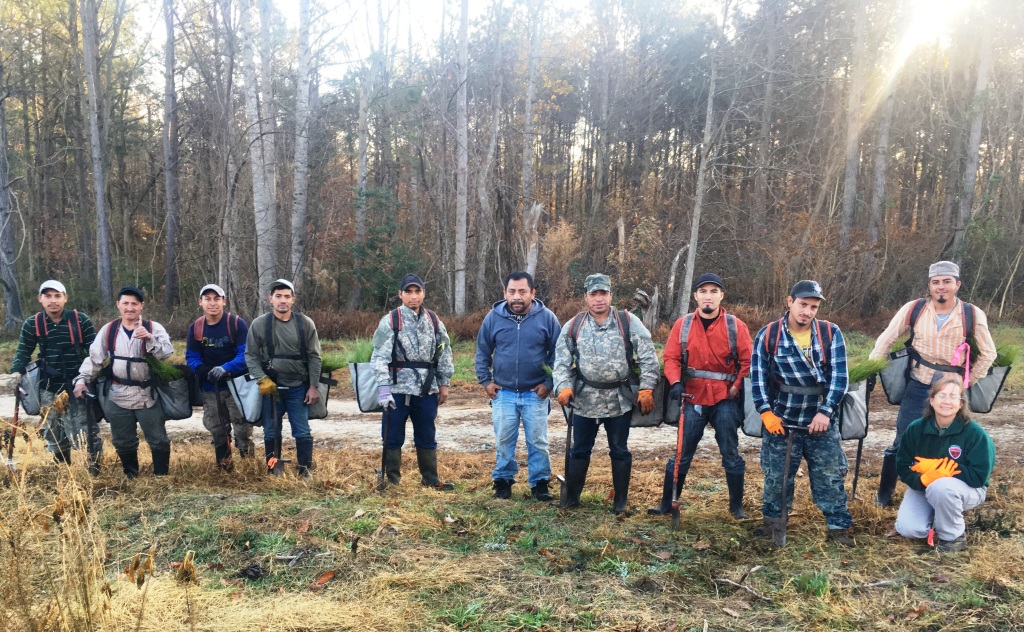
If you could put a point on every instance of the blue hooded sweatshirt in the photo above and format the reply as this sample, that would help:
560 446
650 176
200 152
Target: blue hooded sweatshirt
512 354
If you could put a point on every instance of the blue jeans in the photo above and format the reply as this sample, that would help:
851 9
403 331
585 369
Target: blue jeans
725 418
584 433
422 411
291 401
911 409
507 409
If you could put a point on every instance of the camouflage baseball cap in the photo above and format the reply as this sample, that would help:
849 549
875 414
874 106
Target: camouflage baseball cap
597 282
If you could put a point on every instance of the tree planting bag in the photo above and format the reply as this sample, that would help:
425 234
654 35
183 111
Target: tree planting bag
30 385
657 415
323 387
246 392
894 376
364 384
982 395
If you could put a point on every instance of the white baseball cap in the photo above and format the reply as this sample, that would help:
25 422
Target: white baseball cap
216 288
52 285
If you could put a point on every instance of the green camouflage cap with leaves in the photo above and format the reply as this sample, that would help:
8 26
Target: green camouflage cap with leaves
597 282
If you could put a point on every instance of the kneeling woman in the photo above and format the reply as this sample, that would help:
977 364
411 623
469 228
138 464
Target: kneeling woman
945 459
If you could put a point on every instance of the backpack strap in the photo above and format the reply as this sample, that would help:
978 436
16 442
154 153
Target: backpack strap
397 346
915 313
730 325
197 328
112 329
232 327
825 340
968 314
623 319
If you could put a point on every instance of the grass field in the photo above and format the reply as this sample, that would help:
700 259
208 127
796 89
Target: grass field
203 550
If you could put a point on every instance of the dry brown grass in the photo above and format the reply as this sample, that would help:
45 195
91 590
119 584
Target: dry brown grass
413 558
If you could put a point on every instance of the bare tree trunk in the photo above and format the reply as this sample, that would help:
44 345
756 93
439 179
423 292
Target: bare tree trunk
170 161
266 242
301 148
534 19
485 227
462 165
763 151
88 254
531 228
707 152
90 54
8 254
854 122
268 122
877 212
973 145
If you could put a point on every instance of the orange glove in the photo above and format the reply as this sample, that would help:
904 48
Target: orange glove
565 396
772 422
949 468
646 400
926 465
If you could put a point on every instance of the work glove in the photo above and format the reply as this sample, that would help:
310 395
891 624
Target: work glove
646 400
203 371
772 422
565 397
923 465
216 374
384 397
267 387
949 468
675 392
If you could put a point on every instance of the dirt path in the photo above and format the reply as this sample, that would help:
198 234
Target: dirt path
464 424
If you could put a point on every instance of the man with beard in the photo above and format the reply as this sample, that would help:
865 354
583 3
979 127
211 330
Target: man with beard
799 378
938 325
707 356
515 349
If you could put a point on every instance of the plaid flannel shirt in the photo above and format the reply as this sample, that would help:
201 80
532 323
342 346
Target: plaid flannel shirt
793 369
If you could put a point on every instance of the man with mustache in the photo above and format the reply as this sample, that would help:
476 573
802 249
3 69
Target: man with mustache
799 378
515 349
711 370
601 355
937 325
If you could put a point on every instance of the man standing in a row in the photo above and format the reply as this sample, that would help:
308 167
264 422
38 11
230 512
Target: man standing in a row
514 346
132 400
412 357
596 358
215 351
63 337
282 352
707 356
799 376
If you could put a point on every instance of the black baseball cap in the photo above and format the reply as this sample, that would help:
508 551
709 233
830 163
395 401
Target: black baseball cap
706 278
806 289
411 279
131 290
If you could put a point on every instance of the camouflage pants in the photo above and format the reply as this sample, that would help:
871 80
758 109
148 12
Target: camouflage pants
826 469
218 427
70 430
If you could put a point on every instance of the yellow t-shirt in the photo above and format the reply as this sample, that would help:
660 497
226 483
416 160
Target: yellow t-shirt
804 340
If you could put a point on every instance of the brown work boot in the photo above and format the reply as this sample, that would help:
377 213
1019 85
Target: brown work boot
841 537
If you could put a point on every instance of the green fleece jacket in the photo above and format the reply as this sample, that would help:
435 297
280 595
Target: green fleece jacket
965 442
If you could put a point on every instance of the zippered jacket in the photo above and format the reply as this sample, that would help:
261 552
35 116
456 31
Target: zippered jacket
513 355
965 442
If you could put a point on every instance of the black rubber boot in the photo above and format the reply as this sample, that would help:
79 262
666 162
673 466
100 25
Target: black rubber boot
304 455
503 488
620 481
575 478
666 491
223 455
735 482
62 456
887 481
129 462
93 464
427 461
393 465
540 491
161 462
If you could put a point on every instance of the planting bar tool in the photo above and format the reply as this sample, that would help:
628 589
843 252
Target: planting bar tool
679 455
382 471
780 524
222 409
9 461
275 463
563 492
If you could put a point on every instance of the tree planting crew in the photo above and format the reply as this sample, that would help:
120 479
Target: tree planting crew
412 357
282 352
717 358
945 459
799 376
215 351
937 325
515 350
132 399
63 337
594 372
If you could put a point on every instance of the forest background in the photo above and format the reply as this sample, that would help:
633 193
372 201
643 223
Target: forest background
171 143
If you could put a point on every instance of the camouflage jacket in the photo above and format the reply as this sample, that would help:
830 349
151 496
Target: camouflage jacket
417 340
602 358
